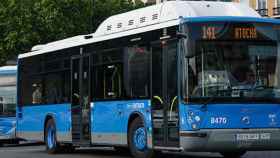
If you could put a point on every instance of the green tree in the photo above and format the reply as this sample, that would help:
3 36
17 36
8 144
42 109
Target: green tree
25 23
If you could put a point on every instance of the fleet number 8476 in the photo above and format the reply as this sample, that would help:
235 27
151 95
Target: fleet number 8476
218 120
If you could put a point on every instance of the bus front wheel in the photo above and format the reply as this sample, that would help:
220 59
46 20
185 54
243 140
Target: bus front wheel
137 140
52 145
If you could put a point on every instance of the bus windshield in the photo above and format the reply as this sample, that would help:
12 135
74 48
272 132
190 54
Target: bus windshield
7 96
233 61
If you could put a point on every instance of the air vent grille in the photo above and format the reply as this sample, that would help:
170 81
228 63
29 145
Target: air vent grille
109 27
130 22
119 25
155 16
142 19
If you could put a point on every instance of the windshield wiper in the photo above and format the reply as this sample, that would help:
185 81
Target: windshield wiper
211 99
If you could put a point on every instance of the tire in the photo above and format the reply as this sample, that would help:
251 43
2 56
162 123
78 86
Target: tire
71 149
52 145
137 140
233 154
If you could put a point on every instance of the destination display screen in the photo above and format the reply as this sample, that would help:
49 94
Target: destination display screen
245 33
231 31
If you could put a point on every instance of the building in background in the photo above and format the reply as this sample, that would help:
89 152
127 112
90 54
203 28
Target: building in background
266 8
151 1
158 1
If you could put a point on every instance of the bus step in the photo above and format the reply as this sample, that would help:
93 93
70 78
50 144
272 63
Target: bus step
76 136
175 149
81 143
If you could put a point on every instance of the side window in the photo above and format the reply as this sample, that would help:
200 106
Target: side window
98 82
108 74
31 81
56 87
113 81
138 71
122 73
7 94
56 79
44 80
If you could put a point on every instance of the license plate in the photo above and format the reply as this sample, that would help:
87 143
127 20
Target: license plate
253 136
247 136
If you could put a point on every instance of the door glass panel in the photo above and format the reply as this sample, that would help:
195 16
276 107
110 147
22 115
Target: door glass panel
172 114
164 93
76 109
85 95
157 95
75 83
80 100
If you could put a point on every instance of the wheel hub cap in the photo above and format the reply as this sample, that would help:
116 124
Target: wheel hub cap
51 137
139 138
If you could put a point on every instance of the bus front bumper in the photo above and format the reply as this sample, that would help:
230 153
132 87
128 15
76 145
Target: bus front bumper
217 140
11 134
6 137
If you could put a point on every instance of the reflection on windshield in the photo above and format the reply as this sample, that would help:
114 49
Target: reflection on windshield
234 69
7 100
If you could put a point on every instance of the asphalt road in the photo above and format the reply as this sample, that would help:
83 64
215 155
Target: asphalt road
38 151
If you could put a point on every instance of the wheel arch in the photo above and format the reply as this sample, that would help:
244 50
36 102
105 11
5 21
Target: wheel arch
149 153
133 116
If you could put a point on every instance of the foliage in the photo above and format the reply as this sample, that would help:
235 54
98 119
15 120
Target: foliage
25 23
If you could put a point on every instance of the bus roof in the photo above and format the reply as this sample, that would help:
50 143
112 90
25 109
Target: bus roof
147 19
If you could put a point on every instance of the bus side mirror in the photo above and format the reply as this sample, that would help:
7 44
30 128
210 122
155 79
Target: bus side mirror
189 48
187 44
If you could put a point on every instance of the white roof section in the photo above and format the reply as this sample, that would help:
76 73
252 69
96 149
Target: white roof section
8 68
146 19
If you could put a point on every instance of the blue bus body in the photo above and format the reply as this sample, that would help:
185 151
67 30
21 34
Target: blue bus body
229 124
8 101
104 113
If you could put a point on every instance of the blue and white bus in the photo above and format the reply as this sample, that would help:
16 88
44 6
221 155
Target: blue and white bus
8 104
178 76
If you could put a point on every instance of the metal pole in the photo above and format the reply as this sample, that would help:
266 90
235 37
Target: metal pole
160 1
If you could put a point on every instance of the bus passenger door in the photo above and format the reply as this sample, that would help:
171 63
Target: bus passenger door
164 94
80 103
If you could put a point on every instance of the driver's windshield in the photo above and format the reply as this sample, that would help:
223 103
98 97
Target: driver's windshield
7 96
233 60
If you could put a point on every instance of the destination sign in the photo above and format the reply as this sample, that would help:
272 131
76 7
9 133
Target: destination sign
235 33
209 33
245 33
